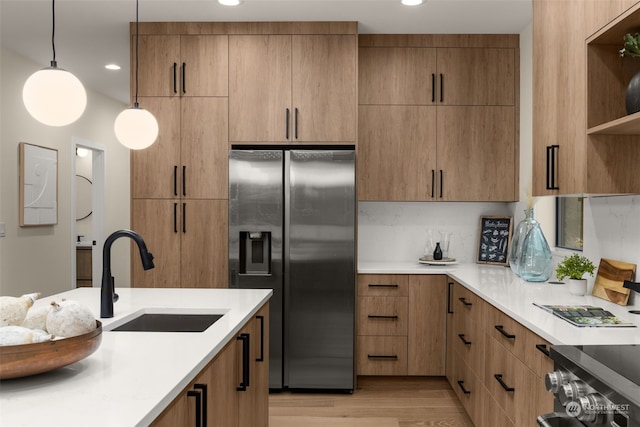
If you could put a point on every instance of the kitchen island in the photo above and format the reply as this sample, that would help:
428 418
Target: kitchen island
133 376
501 288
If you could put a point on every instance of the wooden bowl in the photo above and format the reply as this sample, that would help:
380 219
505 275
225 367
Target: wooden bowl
30 359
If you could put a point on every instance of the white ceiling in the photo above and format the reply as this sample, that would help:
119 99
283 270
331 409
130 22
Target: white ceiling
92 33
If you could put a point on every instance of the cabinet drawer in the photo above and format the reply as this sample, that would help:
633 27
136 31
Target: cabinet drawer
511 334
469 389
514 386
382 316
469 342
536 356
494 416
465 301
382 355
383 285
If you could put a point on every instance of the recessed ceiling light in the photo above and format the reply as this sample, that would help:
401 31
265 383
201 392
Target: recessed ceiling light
411 2
112 67
230 2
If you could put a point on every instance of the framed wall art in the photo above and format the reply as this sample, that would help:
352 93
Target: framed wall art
38 185
494 240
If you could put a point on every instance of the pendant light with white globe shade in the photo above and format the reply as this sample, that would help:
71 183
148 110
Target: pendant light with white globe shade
54 96
135 127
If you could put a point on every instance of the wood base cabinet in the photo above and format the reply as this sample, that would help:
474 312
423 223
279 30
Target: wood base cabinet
233 390
401 325
495 365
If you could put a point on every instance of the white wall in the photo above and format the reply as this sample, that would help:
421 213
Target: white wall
39 258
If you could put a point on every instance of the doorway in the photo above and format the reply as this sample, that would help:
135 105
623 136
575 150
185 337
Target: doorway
87 207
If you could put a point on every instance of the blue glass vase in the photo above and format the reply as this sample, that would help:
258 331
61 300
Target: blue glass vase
533 257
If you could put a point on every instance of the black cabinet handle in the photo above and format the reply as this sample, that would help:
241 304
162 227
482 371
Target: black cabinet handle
184 78
465 302
543 349
441 179
286 123
433 183
175 217
464 339
498 377
383 285
382 357
461 385
551 167
449 285
175 78
261 358
378 316
441 88
500 329
295 125
198 396
433 87
203 390
175 180
184 218
245 362
184 180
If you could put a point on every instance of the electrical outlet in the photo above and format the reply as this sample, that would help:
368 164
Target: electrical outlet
3 229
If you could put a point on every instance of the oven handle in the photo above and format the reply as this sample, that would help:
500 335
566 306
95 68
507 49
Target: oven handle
558 419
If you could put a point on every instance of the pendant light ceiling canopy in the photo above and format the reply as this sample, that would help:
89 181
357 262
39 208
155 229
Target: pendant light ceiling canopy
135 127
54 96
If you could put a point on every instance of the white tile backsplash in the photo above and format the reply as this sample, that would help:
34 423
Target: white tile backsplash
397 231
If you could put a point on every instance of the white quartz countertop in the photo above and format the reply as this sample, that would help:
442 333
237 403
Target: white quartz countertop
133 376
501 288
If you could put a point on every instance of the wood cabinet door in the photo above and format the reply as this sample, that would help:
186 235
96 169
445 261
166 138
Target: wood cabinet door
221 379
158 59
260 88
204 148
154 170
157 221
254 402
204 243
476 76
477 154
204 67
324 88
397 153
427 334
397 75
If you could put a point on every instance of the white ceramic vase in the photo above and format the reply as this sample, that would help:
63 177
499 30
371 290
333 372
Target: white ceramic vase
577 286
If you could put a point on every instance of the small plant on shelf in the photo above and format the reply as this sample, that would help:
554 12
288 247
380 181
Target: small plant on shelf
574 267
631 45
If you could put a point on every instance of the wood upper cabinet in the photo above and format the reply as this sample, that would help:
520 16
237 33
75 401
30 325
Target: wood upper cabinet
442 76
188 239
189 159
292 88
397 152
438 123
181 65
580 150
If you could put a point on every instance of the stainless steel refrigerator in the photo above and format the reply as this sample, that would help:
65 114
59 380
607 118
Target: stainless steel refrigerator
292 229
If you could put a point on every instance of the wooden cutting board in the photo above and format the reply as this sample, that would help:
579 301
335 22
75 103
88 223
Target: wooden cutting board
610 278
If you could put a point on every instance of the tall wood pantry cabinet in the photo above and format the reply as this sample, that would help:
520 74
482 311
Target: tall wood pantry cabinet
298 88
179 184
584 143
438 117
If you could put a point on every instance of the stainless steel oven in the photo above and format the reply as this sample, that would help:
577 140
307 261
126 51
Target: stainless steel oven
594 385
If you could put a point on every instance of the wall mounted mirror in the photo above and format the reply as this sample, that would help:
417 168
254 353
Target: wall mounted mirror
84 194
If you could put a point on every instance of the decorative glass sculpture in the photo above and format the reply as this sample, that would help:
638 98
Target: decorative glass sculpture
531 255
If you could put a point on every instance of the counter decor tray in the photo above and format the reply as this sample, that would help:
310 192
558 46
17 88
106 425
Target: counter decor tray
29 359
428 260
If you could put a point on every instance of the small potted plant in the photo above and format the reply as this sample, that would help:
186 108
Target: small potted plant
574 267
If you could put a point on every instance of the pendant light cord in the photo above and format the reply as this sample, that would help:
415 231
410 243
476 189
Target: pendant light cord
54 64
135 104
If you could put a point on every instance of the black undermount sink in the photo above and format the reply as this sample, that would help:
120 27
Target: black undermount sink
169 322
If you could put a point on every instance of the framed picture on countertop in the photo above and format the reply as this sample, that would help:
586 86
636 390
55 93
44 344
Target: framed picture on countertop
494 240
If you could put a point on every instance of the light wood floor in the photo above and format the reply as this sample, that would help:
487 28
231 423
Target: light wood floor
377 402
